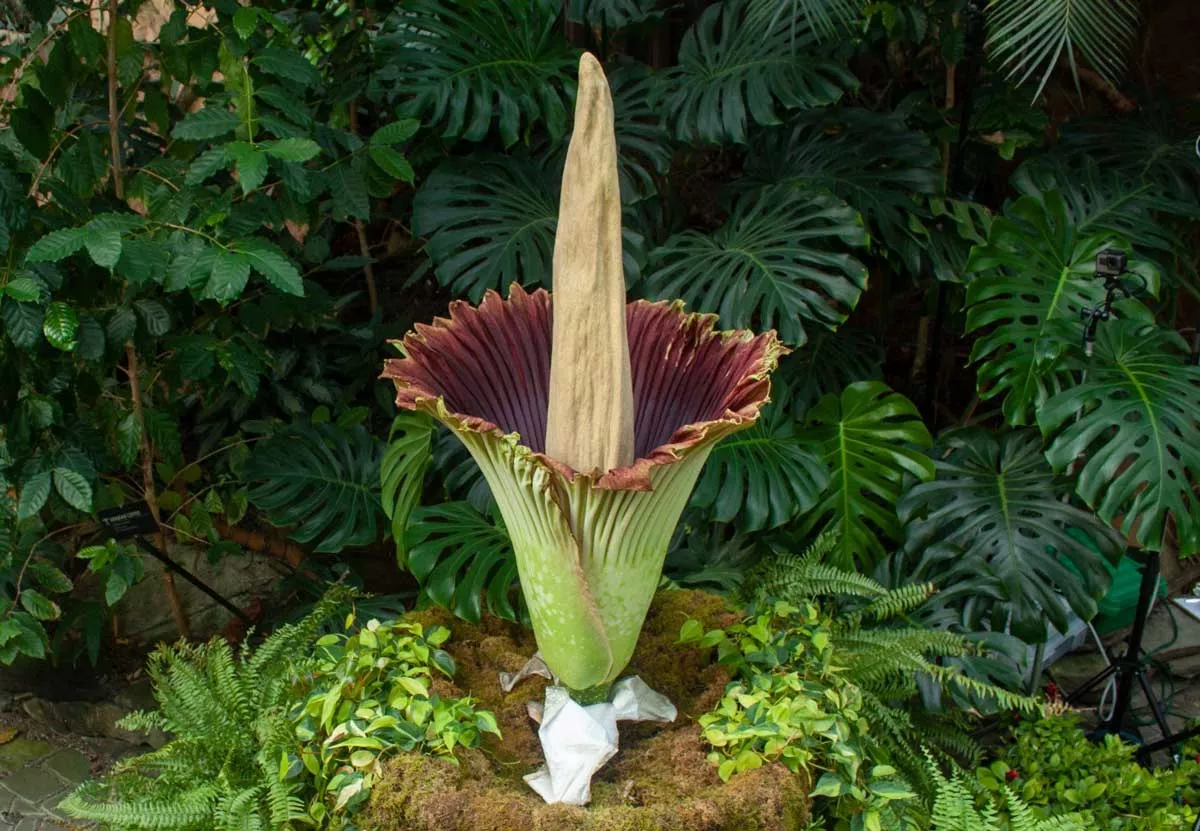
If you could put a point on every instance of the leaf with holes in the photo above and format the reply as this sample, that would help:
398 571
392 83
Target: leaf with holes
871 438
996 499
464 67
773 265
763 477
402 473
1132 422
734 66
1033 279
320 481
457 555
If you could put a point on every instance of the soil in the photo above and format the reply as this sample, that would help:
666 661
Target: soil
661 779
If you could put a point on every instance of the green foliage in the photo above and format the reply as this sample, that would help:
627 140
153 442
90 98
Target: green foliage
998 503
735 66
870 438
762 477
402 473
286 736
775 262
1033 279
954 809
370 695
1059 771
322 481
225 714
458 555
1138 403
465 67
1031 35
788 703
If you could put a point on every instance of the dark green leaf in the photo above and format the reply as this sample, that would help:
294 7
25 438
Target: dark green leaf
56 245
206 164
129 439
402 472
251 164
121 325
164 435
49 578
208 123
104 247
322 481
73 488
23 289
60 325
392 162
288 66
773 264
38 605
22 323
269 262
397 132
230 272
871 438
292 149
34 493
154 315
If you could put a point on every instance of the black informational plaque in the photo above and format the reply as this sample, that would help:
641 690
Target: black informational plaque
129 521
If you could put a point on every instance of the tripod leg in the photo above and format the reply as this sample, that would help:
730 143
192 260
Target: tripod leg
1130 664
1159 718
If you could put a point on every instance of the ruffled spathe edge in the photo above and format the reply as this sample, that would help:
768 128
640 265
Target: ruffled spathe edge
741 406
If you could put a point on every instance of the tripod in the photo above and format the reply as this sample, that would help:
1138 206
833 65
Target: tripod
1130 669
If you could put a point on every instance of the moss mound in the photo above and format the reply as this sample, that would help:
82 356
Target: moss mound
660 780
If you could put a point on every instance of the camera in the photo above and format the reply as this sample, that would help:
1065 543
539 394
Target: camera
1111 262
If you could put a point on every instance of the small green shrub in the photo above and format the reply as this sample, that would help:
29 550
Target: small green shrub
370 695
954 809
1056 769
789 702
279 738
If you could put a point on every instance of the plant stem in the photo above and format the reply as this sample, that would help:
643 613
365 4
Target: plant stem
592 695
114 118
148 490
368 272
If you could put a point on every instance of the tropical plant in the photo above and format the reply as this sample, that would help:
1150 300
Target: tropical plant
954 809
996 501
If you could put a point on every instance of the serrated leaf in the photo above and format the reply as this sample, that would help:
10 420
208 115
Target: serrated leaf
22 323
121 325
129 439
349 192
90 338
56 245
38 605
289 66
154 315
269 262
73 488
208 123
397 132
392 162
23 289
164 435
34 493
60 325
104 247
49 578
245 21
228 278
206 164
871 439
251 164
292 149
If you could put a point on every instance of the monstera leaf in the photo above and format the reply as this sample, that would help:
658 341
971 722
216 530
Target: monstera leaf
772 265
615 14
402 472
872 160
828 362
826 18
997 500
490 222
871 438
458 555
1133 423
735 65
1033 279
762 477
464 67
322 482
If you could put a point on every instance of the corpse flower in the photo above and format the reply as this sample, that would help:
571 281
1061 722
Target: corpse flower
590 418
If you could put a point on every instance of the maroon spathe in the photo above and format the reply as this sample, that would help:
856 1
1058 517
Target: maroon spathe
490 365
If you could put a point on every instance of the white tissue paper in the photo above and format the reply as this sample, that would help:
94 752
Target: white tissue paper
578 740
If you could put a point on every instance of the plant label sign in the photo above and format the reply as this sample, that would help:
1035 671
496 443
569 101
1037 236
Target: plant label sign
129 520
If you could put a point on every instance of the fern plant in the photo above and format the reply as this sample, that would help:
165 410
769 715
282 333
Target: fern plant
225 713
885 656
954 809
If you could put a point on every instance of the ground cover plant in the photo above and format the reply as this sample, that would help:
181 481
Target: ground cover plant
213 217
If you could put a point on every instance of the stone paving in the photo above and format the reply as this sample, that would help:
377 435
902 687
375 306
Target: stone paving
36 776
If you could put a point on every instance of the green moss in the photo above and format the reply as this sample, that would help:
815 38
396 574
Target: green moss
660 781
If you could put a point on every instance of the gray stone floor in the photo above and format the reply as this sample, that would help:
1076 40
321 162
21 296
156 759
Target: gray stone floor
37 775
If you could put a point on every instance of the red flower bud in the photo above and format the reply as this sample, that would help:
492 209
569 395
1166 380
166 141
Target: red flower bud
1011 775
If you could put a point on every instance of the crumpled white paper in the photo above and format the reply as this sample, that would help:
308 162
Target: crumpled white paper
577 740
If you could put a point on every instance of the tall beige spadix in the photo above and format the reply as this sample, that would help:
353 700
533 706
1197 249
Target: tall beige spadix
590 420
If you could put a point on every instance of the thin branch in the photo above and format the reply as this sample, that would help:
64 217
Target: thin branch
114 114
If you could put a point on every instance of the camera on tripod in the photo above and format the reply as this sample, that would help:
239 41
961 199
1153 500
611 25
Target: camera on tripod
1111 262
